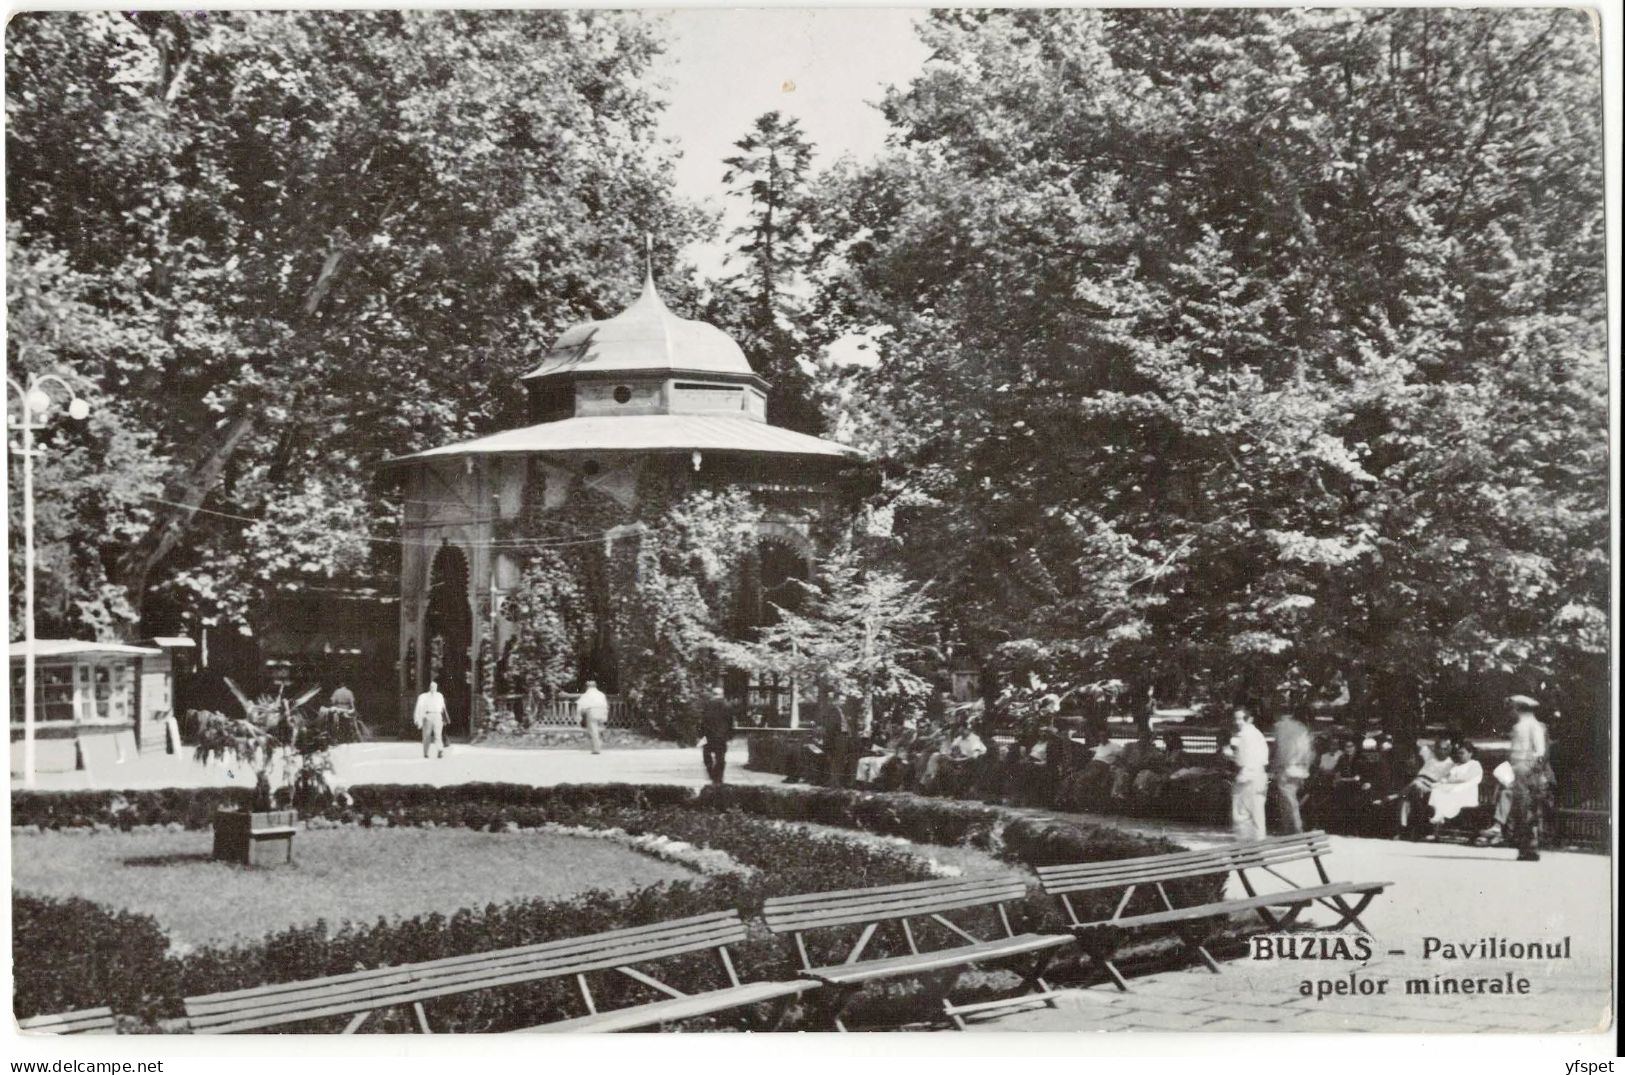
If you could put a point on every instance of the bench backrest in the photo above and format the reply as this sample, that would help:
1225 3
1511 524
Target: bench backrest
816 910
84 1021
1120 873
366 989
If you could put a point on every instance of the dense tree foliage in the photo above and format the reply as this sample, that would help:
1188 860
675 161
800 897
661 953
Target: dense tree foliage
642 611
310 241
863 630
1221 344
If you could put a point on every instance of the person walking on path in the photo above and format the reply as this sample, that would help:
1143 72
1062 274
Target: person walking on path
1531 776
833 721
1289 768
717 727
430 717
594 709
1250 753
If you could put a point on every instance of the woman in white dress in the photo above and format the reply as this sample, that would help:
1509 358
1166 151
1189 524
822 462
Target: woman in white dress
1457 790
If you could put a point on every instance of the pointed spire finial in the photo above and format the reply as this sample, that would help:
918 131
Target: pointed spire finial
649 255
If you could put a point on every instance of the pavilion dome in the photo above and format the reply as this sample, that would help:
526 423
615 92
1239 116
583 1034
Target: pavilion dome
646 336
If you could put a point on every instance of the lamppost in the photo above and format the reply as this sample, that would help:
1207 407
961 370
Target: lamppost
34 401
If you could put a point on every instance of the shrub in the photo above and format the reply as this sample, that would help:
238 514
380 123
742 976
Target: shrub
914 817
71 953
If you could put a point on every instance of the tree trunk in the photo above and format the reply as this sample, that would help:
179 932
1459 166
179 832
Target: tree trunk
186 495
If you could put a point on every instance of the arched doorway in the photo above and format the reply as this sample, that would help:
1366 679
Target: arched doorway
779 565
448 631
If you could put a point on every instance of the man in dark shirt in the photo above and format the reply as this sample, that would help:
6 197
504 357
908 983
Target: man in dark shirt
716 727
836 725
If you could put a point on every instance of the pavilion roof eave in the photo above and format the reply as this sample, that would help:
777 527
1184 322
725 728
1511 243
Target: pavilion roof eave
621 373
642 435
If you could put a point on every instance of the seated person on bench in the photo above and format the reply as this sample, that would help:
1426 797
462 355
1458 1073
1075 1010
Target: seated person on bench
1458 789
1413 798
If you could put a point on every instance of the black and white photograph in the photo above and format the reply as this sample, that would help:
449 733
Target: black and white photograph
1077 521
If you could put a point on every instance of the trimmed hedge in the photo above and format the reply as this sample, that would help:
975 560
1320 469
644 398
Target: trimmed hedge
72 953
735 819
917 818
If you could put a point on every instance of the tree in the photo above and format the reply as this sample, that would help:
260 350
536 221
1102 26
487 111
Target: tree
862 629
92 477
770 173
325 238
1219 344
760 305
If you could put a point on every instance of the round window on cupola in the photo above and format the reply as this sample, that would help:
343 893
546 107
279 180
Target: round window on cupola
622 393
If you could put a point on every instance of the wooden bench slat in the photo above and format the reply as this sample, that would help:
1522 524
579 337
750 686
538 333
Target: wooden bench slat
1274 845
306 1008
711 930
970 896
83 1021
941 959
1119 872
667 1011
907 887
837 916
1195 865
898 906
1214 910
1056 886
410 985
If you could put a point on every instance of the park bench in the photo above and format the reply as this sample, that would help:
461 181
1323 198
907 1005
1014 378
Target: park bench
1279 909
931 901
360 993
84 1021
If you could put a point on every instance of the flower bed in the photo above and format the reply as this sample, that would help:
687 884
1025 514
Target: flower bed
752 826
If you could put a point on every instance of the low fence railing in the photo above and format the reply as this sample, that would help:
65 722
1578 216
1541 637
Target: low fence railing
560 712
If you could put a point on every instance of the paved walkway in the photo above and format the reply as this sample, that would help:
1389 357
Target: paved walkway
404 763
1458 894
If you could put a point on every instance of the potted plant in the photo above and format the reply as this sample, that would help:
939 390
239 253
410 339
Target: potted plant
273 735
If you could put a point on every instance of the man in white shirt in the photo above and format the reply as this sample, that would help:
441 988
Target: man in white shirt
967 746
430 717
1249 751
1531 776
594 709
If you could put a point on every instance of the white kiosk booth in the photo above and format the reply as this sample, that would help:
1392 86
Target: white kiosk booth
96 704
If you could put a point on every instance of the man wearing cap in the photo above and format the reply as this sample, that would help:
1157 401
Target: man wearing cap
1531 776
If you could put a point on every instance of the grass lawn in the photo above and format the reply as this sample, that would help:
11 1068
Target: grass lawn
349 873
